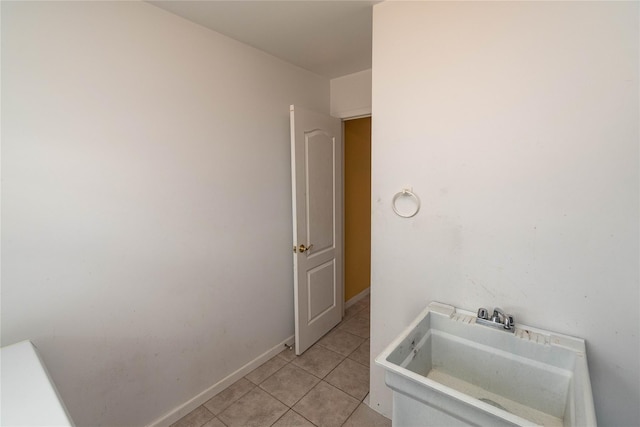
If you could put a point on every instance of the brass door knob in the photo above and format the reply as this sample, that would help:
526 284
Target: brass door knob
304 248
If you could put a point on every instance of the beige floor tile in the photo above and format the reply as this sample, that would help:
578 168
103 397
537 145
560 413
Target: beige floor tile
289 384
297 384
360 307
318 361
287 354
265 370
293 419
365 314
367 417
195 418
254 409
356 326
362 353
326 406
365 302
351 312
214 423
341 342
226 397
350 377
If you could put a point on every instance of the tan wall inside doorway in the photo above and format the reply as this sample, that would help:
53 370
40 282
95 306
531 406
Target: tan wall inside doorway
357 203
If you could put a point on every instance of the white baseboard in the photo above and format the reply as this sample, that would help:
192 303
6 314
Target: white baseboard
182 410
357 298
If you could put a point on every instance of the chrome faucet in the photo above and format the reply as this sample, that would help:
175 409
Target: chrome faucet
498 320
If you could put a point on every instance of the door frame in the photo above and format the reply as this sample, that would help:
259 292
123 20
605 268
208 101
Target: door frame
341 259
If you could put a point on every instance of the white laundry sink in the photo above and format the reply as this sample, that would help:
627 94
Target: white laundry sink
445 369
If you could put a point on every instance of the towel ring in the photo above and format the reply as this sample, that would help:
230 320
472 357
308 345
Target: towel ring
405 193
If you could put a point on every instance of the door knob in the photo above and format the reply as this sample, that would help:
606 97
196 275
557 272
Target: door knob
304 248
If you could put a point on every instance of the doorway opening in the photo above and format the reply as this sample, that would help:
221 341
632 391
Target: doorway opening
357 209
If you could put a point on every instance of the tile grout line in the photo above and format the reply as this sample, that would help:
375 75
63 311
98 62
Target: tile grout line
352 412
290 408
284 403
302 397
347 393
321 379
312 388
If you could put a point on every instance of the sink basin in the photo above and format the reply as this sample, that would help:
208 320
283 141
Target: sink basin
445 369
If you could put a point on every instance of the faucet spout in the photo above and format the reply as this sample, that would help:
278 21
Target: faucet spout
498 315
499 319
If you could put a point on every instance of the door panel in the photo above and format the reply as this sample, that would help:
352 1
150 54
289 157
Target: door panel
316 168
321 288
320 177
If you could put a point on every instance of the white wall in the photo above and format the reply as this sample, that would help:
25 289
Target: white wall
351 95
517 125
145 202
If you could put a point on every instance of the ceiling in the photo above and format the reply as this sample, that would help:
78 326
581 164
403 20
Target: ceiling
331 38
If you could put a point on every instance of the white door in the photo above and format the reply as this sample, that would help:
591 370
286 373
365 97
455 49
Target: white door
316 170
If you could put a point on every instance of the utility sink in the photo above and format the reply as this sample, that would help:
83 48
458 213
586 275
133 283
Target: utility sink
446 370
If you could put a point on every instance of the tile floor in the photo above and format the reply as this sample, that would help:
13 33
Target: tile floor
325 387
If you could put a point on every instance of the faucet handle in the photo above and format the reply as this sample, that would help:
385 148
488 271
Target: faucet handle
508 322
483 313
